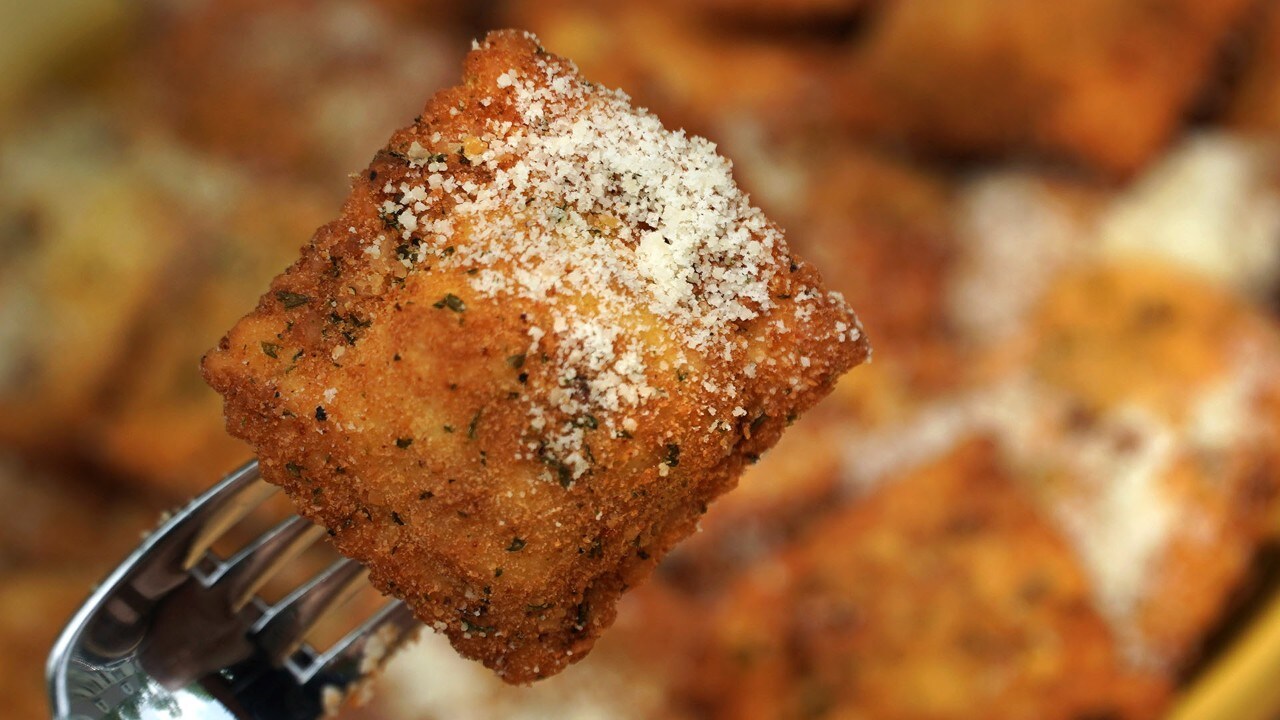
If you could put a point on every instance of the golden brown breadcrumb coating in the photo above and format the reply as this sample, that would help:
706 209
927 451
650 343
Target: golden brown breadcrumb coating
774 501
943 592
1090 81
679 61
303 87
90 273
1254 104
160 424
542 335
1172 383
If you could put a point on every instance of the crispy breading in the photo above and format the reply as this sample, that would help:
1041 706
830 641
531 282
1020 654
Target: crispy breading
627 677
1172 384
1090 81
943 592
881 226
300 86
679 62
798 12
1138 410
161 425
1254 102
85 239
542 335
792 485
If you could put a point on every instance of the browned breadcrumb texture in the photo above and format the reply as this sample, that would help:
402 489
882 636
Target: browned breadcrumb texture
542 335
895 607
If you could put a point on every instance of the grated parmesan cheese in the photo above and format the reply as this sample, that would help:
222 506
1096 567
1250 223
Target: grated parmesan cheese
593 202
1116 510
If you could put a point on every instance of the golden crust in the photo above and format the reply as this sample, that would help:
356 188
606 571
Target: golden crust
941 593
1254 104
1200 364
87 269
679 61
394 407
793 485
882 227
1088 81
300 86
161 424
775 11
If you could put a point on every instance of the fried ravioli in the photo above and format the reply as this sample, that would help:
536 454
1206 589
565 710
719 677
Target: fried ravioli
942 592
1090 82
542 335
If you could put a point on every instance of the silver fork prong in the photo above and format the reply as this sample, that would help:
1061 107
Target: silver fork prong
283 628
363 650
237 497
164 628
247 571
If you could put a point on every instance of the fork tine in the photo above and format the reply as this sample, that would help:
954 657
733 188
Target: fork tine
364 649
249 569
282 629
233 499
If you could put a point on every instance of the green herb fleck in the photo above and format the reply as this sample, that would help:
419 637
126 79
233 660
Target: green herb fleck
584 613
395 517
673 455
451 301
291 300
471 426
293 469
404 442
270 349
448 428
563 473
483 629
517 544
321 415
516 361
587 421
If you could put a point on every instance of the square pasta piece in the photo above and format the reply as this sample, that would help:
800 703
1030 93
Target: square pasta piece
542 335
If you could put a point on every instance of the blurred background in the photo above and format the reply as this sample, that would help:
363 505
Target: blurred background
1054 494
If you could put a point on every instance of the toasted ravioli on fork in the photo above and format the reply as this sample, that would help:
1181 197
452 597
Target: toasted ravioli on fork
543 333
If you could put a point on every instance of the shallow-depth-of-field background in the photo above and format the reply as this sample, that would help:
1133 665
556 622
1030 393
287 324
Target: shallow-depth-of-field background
1054 494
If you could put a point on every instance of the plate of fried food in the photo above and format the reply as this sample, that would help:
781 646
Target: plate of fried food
566 334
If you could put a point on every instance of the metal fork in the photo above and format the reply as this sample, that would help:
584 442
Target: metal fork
176 632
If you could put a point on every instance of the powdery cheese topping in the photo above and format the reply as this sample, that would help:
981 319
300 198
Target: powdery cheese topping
595 210
1117 510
